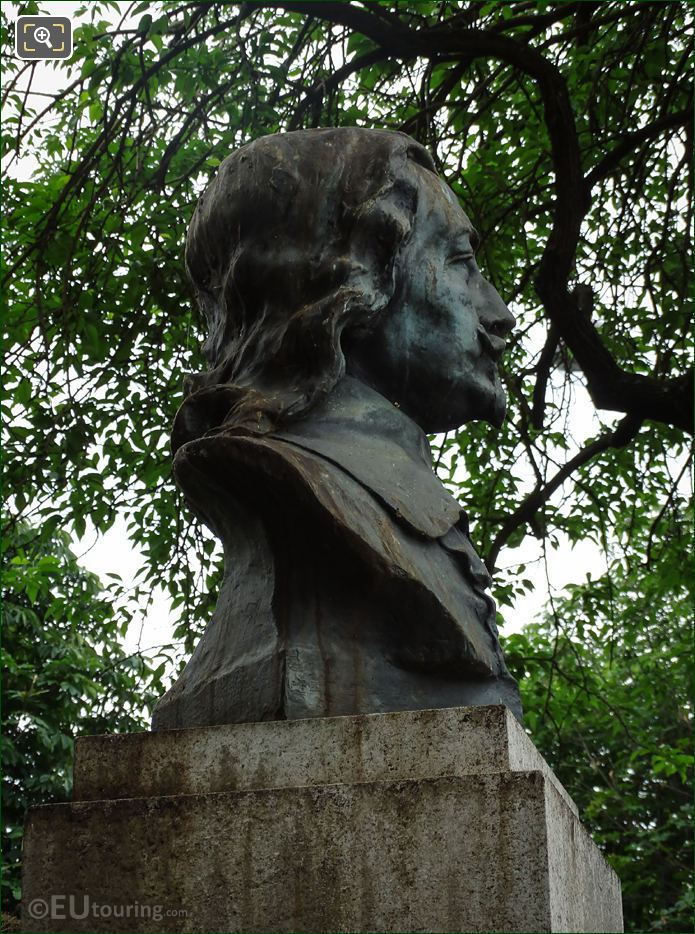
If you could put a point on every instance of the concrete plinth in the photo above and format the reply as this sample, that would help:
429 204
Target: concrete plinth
440 820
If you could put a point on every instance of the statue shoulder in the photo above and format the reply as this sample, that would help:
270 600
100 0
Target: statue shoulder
261 473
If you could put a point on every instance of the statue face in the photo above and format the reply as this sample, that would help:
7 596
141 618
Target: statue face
433 352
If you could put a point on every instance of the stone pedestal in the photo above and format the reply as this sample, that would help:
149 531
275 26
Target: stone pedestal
434 820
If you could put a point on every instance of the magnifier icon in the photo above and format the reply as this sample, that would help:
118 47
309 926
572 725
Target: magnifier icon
42 34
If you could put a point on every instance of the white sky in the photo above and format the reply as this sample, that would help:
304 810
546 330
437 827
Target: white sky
113 552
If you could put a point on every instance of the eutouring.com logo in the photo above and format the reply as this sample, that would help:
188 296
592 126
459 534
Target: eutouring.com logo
79 907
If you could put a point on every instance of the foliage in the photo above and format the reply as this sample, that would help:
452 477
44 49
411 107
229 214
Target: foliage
606 682
101 328
564 127
65 674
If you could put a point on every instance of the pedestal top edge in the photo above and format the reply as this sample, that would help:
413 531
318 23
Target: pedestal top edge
320 751
494 714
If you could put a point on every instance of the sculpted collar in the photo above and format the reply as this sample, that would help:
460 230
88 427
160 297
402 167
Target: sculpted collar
361 432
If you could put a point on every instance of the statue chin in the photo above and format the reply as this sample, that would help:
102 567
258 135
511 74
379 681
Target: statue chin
499 409
490 407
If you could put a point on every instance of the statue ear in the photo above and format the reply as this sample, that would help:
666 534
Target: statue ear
380 229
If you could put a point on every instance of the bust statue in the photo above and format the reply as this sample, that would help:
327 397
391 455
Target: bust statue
347 317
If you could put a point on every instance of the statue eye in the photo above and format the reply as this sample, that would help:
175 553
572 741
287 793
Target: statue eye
464 256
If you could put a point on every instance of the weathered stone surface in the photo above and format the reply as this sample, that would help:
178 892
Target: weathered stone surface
584 893
448 854
409 836
317 751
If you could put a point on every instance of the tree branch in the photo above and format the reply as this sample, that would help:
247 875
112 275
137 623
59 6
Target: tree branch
619 438
542 375
330 81
631 141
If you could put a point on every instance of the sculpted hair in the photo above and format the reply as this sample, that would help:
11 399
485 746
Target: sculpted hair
294 243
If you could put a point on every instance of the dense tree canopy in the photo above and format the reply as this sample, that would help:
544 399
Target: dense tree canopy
566 129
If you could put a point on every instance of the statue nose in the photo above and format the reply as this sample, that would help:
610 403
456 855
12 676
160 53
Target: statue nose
495 317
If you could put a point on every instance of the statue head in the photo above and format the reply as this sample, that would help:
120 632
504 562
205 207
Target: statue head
323 252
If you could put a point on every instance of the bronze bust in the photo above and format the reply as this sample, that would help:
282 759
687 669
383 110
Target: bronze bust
347 317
